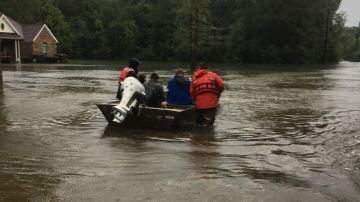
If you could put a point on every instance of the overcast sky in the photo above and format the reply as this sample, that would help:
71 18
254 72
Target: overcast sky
352 10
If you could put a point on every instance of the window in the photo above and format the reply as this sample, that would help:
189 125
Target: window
45 48
2 26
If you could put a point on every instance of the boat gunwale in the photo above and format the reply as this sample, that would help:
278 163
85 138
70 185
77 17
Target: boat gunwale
152 117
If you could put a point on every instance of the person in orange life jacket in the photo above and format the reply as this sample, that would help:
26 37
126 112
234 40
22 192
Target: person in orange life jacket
155 96
205 90
178 87
130 71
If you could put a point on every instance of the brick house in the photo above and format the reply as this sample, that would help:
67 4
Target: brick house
20 42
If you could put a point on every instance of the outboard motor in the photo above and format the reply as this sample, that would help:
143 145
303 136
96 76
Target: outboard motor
132 91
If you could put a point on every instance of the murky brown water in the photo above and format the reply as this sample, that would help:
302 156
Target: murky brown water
290 134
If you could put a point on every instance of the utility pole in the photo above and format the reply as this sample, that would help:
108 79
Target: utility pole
326 36
357 38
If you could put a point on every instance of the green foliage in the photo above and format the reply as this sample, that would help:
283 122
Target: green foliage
235 42
348 48
356 56
193 29
249 31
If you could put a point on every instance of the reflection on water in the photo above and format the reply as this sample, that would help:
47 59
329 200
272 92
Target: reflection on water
285 134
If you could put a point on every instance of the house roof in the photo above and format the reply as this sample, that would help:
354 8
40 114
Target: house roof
27 32
16 26
30 31
10 36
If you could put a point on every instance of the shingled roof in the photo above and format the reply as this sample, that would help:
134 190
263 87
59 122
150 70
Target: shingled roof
27 32
30 31
10 36
16 25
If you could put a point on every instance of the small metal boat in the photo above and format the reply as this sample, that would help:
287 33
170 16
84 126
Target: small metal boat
149 117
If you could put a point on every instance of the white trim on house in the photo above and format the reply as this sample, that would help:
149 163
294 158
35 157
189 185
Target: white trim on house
3 16
16 50
37 35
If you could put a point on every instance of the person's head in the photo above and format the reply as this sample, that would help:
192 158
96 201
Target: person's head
154 76
202 65
142 78
180 73
134 63
180 77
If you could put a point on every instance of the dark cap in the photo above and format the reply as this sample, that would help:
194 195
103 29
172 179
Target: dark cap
134 63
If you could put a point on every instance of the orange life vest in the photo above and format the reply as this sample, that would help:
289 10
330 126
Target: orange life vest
205 83
124 73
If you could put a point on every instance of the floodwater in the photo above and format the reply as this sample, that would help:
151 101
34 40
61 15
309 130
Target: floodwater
283 133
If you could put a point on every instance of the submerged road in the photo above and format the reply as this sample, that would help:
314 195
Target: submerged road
283 133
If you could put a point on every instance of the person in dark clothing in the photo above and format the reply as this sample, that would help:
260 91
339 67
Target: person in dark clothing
155 96
130 71
142 78
179 88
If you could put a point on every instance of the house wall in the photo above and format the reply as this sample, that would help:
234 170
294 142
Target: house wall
26 50
43 37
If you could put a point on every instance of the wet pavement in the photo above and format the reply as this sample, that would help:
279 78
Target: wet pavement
283 133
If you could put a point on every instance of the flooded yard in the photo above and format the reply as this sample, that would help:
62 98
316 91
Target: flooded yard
286 133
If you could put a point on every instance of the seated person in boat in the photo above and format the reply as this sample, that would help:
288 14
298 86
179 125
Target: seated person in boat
131 70
142 78
179 89
155 96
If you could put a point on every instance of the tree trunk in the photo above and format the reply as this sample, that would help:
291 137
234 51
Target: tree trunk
326 36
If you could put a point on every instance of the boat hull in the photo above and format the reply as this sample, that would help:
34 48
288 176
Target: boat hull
150 117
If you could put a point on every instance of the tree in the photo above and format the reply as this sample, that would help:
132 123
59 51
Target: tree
192 32
249 31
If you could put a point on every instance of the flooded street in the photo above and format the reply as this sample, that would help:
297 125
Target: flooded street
289 134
